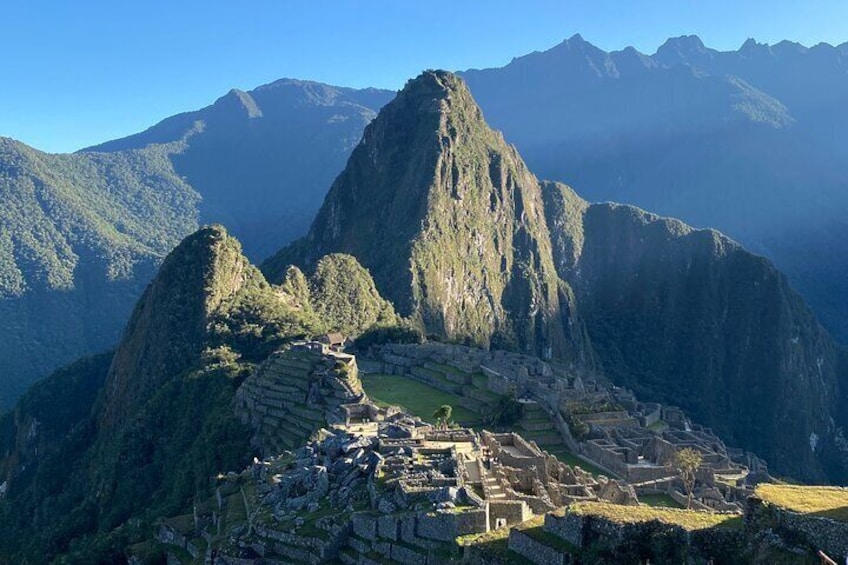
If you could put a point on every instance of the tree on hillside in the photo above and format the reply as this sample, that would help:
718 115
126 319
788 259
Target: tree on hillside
687 461
443 415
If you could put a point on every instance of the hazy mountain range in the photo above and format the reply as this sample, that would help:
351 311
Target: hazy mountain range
751 142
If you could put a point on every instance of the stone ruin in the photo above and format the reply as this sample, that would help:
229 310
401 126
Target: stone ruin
397 487
344 479
627 439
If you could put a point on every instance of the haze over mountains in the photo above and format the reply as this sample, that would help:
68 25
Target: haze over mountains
674 312
751 142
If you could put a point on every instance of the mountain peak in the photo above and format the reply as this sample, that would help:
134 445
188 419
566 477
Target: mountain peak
686 43
169 325
683 49
751 46
238 103
432 89
449 221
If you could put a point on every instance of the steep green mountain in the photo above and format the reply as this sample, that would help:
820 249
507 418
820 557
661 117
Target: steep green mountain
92 455
80 235
751 142
460 236
449 221
688 317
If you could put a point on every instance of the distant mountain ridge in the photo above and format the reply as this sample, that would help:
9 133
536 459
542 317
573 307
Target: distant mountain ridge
751 142
263 159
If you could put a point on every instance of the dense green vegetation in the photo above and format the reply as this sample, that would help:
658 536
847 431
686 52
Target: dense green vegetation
343 295
81 235
164 424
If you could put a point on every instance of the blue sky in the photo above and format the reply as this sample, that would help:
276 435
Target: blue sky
77 73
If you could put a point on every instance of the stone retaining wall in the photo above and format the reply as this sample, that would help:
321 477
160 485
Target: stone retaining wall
537 552
819 532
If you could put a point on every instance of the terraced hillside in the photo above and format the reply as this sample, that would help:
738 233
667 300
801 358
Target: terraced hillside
293 394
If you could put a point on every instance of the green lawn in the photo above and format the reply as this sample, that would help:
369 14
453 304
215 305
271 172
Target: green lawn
687 519
416 397
829 502
658 500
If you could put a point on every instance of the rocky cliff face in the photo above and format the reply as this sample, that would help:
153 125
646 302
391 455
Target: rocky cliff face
689 317
449 221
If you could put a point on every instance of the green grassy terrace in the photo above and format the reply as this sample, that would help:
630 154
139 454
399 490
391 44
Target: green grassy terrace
419 399
658 500
827 502
686 519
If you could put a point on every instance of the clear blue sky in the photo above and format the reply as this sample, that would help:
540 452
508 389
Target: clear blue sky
75 73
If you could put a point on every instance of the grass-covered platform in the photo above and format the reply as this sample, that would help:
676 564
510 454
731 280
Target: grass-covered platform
687 519
418 398
660 500
826 502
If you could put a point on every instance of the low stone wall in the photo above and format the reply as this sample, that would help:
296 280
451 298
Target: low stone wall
537 552
639 474
664 542
568 528
447 526
820 533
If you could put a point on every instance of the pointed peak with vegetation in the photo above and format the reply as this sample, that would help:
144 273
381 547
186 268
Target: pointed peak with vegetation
448 219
